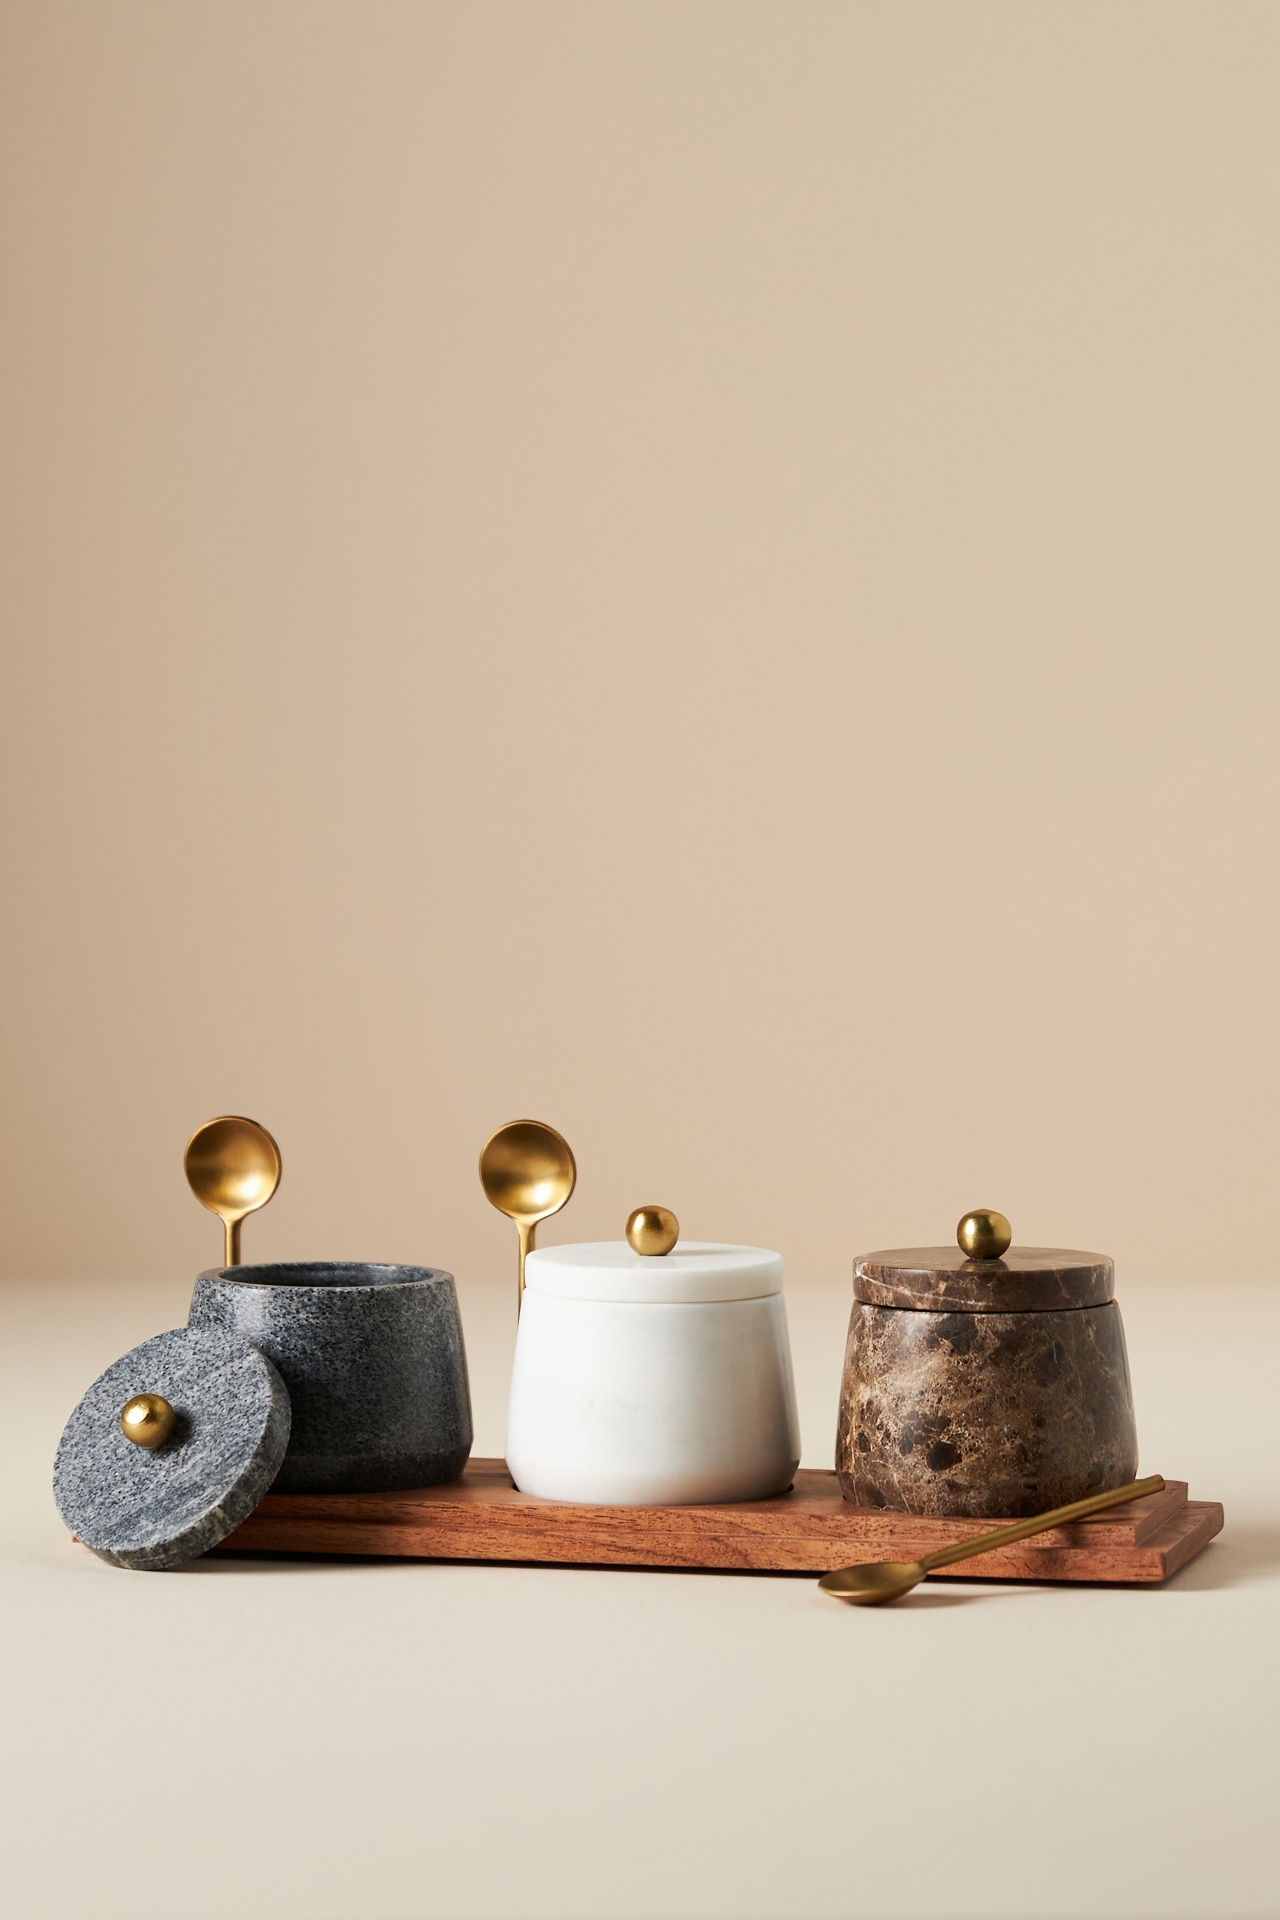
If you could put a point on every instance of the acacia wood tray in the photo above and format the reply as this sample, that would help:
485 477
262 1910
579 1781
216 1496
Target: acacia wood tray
807 1530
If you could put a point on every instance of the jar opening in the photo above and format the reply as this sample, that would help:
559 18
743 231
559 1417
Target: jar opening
326 1273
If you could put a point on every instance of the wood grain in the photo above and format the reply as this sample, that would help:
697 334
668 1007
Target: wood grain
811 1528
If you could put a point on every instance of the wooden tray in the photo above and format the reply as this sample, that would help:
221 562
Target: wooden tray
808 1530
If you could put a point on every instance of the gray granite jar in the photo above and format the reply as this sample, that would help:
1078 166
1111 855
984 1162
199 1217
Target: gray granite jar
374 1362
984 1388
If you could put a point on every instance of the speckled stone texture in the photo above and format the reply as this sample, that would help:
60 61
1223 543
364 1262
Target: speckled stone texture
374 1363
154 1509
984 1414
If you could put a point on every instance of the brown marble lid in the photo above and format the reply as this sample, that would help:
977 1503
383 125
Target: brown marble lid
945 1280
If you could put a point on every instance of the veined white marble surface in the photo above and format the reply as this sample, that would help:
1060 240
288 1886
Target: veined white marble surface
391 1740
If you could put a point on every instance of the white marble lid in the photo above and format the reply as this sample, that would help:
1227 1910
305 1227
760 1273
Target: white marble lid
694 1270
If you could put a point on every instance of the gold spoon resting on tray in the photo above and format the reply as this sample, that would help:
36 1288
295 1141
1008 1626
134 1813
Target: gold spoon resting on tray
233 1168
882 1580
528 1172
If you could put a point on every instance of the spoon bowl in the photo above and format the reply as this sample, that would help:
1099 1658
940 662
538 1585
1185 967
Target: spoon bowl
233 1168
528 1172
873 1584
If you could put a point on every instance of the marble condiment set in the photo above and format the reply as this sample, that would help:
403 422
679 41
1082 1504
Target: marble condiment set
647 1371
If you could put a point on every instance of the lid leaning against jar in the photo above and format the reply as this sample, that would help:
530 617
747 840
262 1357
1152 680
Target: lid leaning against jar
171 1448
692 1272
960 1280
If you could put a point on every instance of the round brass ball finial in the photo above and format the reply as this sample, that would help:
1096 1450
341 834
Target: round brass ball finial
984 1234
652 1230
148 1420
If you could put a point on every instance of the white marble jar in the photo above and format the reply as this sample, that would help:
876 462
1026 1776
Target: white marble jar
646 1381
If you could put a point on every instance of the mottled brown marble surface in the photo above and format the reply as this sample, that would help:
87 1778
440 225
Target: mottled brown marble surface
984 1413
942 1279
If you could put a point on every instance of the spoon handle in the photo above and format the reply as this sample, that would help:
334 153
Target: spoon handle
1041 1522
232 1228
526 1229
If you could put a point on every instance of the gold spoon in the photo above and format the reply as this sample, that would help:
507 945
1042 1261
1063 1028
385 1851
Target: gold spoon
528 1172
233 1168
882 1580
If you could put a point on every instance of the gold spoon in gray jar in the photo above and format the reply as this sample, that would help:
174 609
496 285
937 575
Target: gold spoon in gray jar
233 1168
879 1581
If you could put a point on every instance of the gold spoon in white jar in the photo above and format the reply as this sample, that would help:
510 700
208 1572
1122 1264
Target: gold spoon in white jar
528 1172
879 1581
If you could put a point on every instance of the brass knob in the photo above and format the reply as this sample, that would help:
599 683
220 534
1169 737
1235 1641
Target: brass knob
148 1420
984 1234
652 1230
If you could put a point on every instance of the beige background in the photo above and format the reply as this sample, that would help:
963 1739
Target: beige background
702 572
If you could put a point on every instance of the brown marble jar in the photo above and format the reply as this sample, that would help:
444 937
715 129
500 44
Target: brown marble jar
983 1388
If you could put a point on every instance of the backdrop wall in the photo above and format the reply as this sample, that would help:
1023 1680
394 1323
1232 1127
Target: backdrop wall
705 573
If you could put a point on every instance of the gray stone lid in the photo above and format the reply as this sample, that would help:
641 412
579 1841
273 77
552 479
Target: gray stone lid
945 1280
154 1509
